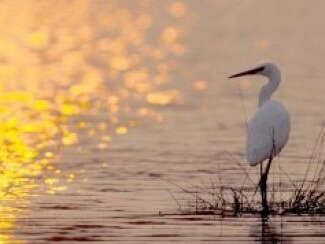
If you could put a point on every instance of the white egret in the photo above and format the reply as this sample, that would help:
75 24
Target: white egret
269 128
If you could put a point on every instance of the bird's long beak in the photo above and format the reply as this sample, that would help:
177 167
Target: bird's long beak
248 72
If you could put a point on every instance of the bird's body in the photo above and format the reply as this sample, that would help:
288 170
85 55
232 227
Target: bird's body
267 132
269 128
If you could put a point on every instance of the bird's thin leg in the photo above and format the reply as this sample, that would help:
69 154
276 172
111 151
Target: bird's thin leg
263 181
261 178
263 187
261 173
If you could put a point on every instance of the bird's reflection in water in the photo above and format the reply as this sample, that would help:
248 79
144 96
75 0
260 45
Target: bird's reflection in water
267 233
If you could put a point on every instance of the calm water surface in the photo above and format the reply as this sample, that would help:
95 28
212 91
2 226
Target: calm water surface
137 102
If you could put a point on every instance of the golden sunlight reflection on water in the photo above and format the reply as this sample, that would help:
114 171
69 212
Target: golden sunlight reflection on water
59 59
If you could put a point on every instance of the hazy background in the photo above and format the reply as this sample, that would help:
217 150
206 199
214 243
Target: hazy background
105 105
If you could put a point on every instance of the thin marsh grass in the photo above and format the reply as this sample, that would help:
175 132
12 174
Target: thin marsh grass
301 196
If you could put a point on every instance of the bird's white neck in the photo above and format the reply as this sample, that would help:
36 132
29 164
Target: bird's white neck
267 90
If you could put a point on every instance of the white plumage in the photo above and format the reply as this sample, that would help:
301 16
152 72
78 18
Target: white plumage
268 130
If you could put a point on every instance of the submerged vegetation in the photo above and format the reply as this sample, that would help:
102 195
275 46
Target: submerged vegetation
302 196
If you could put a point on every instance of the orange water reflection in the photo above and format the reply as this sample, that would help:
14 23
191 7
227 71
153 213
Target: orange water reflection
60 59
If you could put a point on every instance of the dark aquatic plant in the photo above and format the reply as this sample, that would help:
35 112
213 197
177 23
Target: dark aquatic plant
302 197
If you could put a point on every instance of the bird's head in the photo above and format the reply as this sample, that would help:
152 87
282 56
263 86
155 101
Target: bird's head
266 69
